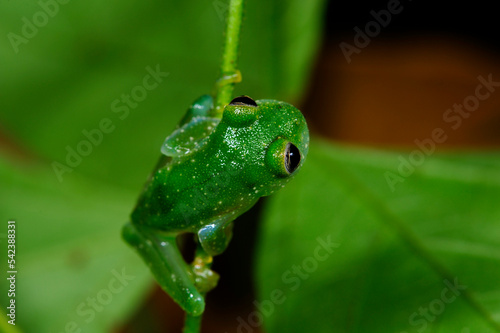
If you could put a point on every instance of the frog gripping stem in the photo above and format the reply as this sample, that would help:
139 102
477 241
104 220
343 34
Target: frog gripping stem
203 181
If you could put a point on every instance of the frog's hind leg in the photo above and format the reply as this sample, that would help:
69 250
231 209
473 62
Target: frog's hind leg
167 265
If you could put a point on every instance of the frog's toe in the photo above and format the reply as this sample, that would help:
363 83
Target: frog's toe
129 234
195 305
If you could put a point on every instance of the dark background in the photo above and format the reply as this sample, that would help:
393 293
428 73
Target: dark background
474 21
398 87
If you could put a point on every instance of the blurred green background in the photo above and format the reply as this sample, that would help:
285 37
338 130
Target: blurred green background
416 254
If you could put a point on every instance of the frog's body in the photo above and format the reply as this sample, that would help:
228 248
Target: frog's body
213 170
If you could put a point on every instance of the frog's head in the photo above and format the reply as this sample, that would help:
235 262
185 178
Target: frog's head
274 138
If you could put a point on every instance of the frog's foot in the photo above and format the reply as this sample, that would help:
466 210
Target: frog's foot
205 278
215 237
167 265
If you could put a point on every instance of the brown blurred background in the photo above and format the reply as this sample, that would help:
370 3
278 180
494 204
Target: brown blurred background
398 87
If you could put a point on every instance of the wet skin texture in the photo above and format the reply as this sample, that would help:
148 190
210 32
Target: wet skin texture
210 172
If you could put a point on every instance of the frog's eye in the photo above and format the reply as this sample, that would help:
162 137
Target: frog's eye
292 157
283 157
243 100
241 112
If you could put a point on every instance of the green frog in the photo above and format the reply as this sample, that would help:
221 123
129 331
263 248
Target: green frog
212 170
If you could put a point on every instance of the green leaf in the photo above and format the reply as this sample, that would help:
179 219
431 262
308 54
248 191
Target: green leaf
73 270
277 53
396 254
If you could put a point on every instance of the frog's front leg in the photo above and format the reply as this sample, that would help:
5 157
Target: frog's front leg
200 108
167 265
215 236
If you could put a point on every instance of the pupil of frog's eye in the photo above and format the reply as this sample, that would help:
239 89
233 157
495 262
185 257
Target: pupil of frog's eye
292 157
243 100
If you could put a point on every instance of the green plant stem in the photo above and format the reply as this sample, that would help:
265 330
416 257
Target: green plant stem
229 72
192 324
230 75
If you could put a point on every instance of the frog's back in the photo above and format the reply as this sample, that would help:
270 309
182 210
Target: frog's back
179 195
177 171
